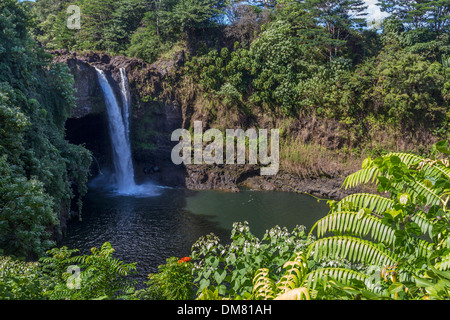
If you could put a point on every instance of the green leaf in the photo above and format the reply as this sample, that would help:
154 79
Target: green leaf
231 258
222 289
442 146
439 227
220 276
412 227
421 282
204 283
395 160
385 183
396 287
394 213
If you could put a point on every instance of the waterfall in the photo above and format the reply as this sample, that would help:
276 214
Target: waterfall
119 132
126 100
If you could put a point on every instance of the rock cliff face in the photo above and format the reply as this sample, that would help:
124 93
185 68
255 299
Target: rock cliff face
152 122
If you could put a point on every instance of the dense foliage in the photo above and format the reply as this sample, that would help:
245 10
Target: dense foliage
369 246
282 58
38 166
61 275
317 57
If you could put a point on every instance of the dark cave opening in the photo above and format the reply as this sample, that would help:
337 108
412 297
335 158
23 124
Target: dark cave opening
91 131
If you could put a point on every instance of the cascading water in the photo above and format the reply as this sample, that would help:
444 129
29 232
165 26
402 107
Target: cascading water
118 129
126 100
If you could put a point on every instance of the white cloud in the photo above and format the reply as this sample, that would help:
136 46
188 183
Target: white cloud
374 13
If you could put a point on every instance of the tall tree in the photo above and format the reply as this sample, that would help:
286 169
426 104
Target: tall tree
338 17
190 15
414 14
96 18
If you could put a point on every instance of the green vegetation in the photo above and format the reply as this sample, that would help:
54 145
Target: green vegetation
38 166
62 276
284 60
369 246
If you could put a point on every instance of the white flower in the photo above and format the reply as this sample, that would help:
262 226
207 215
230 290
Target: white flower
404 199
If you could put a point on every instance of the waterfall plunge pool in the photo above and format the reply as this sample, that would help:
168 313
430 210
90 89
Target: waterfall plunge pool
147 224
166 222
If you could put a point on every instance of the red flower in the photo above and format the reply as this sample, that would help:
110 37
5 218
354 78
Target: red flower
185 259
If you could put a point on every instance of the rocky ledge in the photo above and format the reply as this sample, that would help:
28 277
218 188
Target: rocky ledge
233 177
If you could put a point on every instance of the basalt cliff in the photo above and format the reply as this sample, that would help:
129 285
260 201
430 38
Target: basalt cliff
159 107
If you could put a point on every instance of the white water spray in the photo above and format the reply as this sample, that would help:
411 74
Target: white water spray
118 129
126 101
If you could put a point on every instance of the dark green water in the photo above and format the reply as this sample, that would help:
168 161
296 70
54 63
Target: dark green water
166 222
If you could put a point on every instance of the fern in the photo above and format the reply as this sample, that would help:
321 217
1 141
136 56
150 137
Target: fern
292 278
342 275
301 293
444 264
357 218
430 167
375 203
417 188
362 176
263 286
425 224
357 223
288 287
424 248
351 248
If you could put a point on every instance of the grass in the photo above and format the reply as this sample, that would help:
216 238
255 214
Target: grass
313 160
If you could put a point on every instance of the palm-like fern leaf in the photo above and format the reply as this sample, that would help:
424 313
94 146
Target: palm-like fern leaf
433 168
425 224
342 275
354 249
288 287
419 188
357 223
292 278
424 248
444 264
373 202
263 285
301 293
362 176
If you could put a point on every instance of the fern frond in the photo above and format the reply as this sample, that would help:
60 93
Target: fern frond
418 188
362 176
295 294
263 285
292 278
342 275
424 248
425 224
433 168
407 158
444 264
354 249
356 223
375 203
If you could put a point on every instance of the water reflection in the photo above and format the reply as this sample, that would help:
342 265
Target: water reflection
150 229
